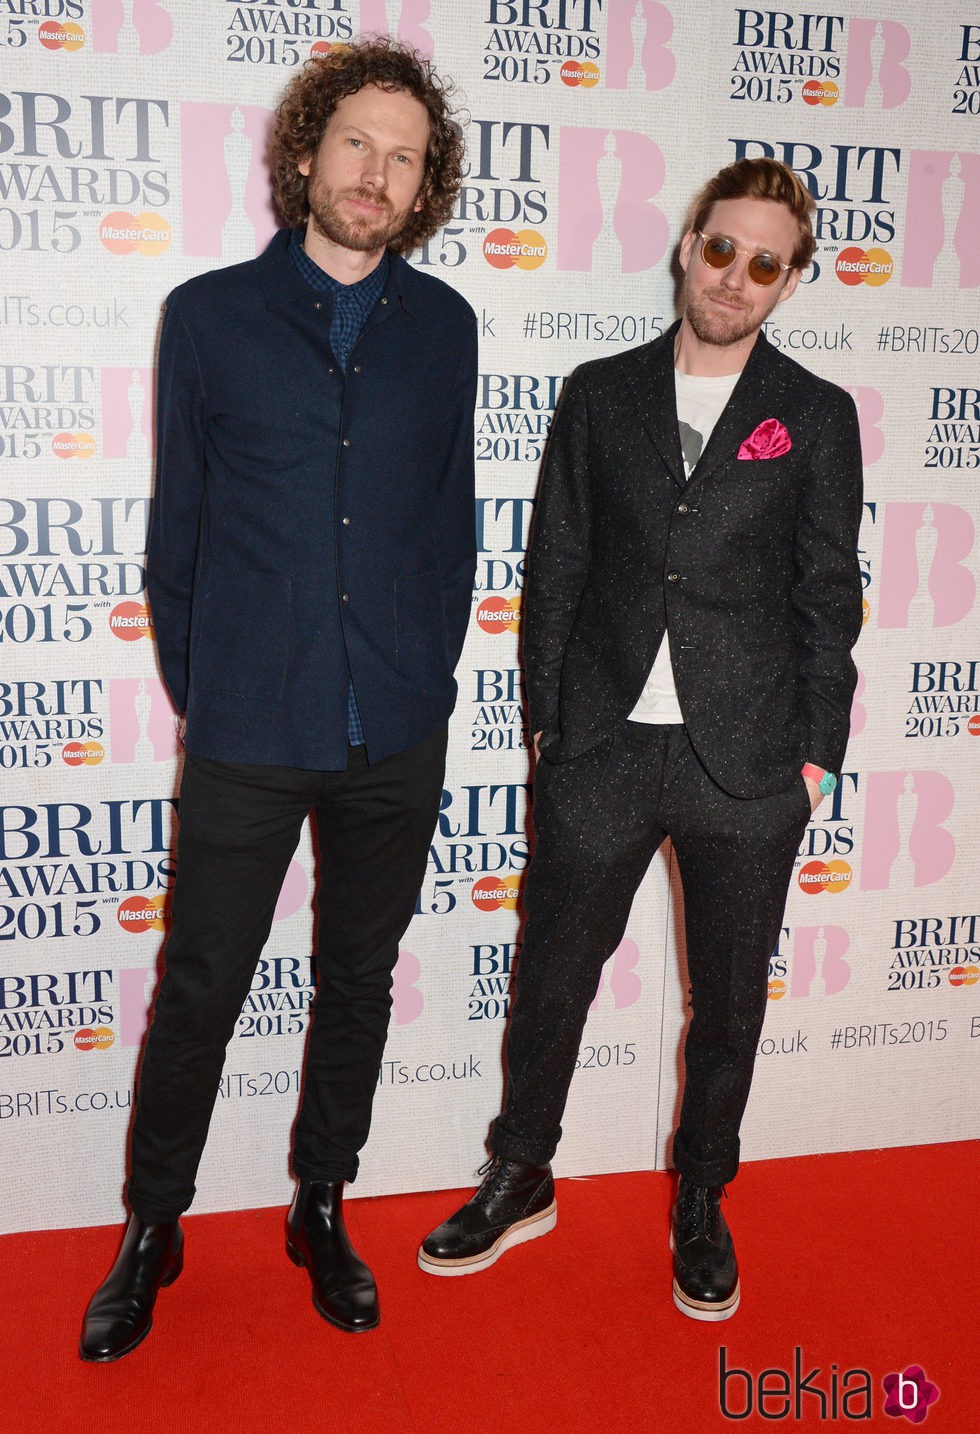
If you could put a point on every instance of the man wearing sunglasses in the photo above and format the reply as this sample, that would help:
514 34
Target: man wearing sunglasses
693 595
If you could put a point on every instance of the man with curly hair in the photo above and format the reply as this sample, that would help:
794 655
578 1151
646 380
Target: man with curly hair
310 572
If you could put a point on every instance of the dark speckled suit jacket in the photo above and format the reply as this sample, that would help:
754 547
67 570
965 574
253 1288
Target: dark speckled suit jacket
751 567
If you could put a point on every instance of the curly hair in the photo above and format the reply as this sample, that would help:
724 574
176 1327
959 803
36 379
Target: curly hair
762 179
311 98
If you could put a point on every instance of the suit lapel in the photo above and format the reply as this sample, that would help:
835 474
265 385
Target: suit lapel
756 396
651 386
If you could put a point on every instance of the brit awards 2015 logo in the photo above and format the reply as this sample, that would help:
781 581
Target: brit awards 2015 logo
942 214
502 201
608 217
50 555
953 437
854 186
781 53
528 41
944 699
74 159
925 580
131 28
933 953
46 409
40 719
227 204
481 833
498 710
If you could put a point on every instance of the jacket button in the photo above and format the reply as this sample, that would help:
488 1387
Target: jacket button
346 442
346 597
683 508
318 305
357 368
346 522
673 577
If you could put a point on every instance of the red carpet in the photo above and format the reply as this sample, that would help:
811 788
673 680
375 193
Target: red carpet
864 1262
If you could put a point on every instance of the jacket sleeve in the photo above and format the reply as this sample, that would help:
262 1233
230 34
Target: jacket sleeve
456 503
178 499
827 593
558 555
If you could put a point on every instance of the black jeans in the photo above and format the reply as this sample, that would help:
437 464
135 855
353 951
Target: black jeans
599 819
239 827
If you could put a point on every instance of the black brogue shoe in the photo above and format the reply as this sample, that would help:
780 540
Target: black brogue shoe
705 1269
120 1313
344 1291
516 1202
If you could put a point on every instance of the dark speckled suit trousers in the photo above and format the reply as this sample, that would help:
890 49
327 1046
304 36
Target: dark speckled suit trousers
599 820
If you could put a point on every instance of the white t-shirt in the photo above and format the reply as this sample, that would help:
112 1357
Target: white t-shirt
700 402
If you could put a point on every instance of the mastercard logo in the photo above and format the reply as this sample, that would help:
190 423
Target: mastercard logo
130 621
83 754
964 975
777 989
73 445
873 267
820 92
973 726
326 47
818 876
491 893
574 74
504 249
124 233
99 1039
498 614
54 35
865 611
143 913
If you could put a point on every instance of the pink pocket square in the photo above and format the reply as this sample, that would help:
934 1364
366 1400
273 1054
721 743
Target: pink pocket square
769 440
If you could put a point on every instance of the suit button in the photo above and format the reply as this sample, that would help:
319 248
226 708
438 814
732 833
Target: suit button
673 577
683 508
346 522
346 597
357 368
346 442
318 305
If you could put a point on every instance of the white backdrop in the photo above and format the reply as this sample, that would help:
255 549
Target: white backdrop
131 156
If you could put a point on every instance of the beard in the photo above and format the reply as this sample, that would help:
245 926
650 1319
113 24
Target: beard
355 231
721 327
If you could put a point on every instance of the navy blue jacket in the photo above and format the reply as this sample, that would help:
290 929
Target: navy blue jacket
306 525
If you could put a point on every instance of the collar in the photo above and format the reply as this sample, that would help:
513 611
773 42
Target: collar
362 295
282 284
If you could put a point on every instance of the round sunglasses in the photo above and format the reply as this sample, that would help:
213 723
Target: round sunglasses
720 253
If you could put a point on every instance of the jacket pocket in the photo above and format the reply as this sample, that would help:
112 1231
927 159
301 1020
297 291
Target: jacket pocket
420 630
241 632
